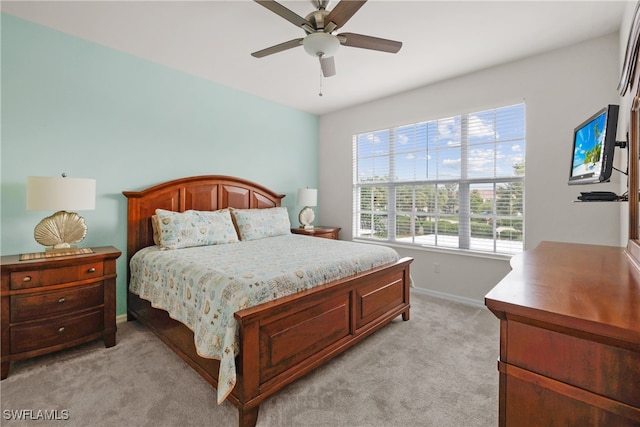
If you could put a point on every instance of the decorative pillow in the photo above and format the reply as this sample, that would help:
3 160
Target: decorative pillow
195 228
253 224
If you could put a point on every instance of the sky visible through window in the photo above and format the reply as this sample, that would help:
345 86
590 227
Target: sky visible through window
432 150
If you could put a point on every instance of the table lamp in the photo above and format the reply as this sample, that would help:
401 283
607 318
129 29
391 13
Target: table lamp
307 197
63 195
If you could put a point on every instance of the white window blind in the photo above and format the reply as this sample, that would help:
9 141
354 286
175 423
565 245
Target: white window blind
455 182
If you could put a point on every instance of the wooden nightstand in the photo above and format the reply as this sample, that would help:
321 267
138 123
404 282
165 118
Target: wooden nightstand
325 232
50 304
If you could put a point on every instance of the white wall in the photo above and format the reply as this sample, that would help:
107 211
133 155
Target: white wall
561 89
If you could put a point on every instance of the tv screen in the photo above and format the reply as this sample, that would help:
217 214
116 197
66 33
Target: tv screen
594 141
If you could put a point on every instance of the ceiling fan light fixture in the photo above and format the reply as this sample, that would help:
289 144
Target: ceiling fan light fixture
321 44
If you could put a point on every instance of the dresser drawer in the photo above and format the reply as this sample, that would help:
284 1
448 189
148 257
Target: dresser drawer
600 368
529 405
54 276
40 335
53 303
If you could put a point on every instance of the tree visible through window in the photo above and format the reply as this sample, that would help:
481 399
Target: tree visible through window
455 182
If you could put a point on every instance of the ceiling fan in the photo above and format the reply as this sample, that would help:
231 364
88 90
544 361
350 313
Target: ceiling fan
319 26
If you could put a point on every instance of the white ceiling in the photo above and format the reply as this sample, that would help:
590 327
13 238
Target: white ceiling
214 39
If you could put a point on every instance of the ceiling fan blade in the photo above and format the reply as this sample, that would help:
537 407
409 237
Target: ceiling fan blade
328 66
277 48
285 13
369 42
343 11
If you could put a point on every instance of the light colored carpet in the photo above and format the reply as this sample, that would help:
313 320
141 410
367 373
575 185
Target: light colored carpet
438 369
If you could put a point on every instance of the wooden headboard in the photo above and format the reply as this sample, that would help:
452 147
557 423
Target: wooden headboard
204 193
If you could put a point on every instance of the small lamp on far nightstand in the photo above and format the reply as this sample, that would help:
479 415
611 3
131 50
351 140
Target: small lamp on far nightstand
307 197
62 194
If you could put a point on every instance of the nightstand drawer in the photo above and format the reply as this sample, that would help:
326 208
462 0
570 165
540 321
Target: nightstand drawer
331 235
25 279
47 304
39 335
54 276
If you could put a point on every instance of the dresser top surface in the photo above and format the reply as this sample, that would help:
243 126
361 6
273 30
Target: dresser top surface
594 288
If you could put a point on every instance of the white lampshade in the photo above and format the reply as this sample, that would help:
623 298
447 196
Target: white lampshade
58 193
307 197
321 44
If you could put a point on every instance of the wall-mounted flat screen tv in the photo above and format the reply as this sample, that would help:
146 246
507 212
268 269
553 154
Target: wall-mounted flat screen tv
594 142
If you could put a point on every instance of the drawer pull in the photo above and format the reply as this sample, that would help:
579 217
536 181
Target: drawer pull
61 300
26 279
61 329
91 270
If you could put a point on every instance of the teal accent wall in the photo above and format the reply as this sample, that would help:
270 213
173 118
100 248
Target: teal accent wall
69 105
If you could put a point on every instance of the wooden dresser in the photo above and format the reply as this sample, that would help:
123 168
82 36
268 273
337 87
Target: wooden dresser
55 303
569 337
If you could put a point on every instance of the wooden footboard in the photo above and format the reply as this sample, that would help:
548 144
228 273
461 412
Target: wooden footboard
283 340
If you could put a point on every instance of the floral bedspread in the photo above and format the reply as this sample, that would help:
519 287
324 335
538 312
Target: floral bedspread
202 287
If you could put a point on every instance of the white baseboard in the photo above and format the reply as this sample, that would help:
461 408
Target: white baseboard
450 297
121 318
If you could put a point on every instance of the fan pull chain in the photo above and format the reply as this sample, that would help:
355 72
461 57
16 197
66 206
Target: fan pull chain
320 93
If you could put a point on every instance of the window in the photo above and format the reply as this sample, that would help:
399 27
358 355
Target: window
455 182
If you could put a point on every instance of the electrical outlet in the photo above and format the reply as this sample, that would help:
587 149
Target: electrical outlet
436 267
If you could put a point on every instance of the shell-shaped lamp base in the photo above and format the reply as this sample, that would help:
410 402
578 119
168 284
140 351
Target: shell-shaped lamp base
306 217
60 230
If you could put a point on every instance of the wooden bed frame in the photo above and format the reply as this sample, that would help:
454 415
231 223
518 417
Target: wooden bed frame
281 340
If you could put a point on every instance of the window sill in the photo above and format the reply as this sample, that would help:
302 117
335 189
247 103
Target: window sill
461 252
